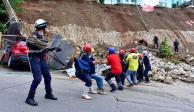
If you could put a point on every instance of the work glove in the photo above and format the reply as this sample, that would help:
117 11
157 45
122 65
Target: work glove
57 49
49 49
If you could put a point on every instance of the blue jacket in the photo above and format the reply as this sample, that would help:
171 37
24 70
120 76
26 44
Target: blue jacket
85 57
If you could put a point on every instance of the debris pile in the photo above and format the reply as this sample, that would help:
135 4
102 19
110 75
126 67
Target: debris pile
168 72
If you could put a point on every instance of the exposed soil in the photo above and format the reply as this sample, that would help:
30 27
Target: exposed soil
88 13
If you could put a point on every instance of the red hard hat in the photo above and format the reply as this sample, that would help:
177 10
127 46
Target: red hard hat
121 52
87 48
133 50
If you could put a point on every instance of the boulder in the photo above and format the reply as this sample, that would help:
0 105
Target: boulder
168 80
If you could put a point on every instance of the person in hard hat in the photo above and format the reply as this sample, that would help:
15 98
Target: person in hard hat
98 78
83 70
38 47
116 70
140 68
132 60
123 64
147 65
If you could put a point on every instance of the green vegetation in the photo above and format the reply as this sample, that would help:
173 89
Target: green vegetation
15 3
101 1
165 50
4 15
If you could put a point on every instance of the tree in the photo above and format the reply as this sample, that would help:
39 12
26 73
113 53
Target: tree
15 3
4 18
165 50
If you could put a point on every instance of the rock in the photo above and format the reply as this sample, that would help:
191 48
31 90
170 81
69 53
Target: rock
168 80
188 80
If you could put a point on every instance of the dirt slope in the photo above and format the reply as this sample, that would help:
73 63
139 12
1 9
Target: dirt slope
119 20
90 14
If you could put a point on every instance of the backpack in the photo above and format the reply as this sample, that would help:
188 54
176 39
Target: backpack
81 66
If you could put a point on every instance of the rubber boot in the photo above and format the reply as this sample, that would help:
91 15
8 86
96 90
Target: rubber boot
120 88
92 91
30 100
50 96
85 93
113 87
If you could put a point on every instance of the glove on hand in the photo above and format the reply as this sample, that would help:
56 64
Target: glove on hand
57 49
49 49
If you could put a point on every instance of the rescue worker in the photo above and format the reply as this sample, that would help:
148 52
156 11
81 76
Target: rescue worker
98 78
140 69
124 65
84 74
176 46
156 42
132 60
38 46
116 70
147 65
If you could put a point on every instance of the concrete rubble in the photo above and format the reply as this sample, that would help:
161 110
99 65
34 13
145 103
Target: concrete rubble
168 72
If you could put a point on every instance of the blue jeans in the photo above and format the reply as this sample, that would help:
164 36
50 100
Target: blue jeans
99 80
128 75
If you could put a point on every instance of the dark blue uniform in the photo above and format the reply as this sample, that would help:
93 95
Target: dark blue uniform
39 67
147 68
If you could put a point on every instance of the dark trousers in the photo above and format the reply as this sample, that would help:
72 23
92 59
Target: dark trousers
123 78
140 73
146 74
39 68
110 75
156 46
176 49
86 78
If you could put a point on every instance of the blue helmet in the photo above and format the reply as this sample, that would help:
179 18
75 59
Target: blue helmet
111 50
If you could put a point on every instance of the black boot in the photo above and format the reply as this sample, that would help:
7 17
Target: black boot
113 87
30 100
120 88
50 96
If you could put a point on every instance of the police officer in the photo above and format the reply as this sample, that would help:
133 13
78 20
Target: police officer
38 46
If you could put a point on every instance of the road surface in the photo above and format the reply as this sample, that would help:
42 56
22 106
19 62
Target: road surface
152 97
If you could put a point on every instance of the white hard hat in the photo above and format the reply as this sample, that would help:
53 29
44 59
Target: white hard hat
40 23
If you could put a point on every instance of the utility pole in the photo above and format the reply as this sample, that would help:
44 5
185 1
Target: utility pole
141 17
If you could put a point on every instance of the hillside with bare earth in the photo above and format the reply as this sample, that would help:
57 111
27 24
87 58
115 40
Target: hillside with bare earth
81 21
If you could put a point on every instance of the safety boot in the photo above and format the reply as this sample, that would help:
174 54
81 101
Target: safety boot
30 100
113 87
50 96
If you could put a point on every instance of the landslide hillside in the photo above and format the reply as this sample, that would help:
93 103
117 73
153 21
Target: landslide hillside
82 21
